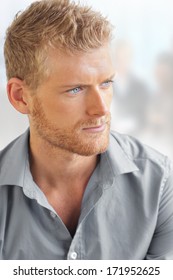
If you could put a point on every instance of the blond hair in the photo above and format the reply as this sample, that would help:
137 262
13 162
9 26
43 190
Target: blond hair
60 24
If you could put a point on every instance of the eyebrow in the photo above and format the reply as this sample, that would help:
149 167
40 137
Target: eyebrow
85 85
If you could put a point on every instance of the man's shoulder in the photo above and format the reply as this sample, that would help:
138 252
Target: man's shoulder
10 147
139 152
14 151
12 161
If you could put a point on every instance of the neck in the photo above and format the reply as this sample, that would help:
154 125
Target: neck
55 168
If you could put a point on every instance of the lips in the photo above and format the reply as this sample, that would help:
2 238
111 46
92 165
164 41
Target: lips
99 128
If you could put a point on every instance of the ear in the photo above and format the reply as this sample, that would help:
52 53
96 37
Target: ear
17 95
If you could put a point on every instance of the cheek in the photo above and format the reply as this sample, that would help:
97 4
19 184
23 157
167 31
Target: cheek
74 106
108 98
65 113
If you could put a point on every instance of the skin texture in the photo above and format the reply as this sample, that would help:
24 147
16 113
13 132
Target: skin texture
69 116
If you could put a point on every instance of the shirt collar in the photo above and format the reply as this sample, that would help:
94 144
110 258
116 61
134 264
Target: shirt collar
113 162
118 157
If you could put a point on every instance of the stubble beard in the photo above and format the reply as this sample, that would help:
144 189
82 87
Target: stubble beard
71 139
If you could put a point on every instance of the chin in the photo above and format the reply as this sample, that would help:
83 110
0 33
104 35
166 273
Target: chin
91 149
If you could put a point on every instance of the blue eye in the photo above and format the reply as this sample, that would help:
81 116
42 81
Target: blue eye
74 91
107 84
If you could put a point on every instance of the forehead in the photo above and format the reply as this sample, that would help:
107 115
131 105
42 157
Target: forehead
80 66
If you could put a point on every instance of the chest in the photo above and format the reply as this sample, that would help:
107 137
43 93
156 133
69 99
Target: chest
68 208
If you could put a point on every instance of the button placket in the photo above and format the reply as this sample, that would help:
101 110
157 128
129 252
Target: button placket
73 255
52 214
75 248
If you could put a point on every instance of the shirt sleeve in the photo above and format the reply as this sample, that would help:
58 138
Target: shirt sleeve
161 247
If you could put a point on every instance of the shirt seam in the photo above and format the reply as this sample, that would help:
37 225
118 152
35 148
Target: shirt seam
165 180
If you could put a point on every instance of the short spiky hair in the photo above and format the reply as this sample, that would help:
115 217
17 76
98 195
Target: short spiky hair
59 24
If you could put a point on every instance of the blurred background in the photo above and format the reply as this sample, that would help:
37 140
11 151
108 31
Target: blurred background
143 55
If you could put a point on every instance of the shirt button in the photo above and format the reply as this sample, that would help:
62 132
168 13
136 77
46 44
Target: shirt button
53 215
73 255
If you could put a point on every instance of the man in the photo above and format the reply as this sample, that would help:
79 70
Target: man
70 189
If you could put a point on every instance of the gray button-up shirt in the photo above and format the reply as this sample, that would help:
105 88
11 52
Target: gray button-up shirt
126 213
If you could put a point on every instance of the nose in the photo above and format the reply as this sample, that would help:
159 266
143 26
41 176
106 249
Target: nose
98 103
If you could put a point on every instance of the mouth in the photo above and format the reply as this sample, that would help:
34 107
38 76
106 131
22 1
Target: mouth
95 129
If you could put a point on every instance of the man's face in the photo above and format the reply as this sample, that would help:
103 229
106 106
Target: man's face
70 109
